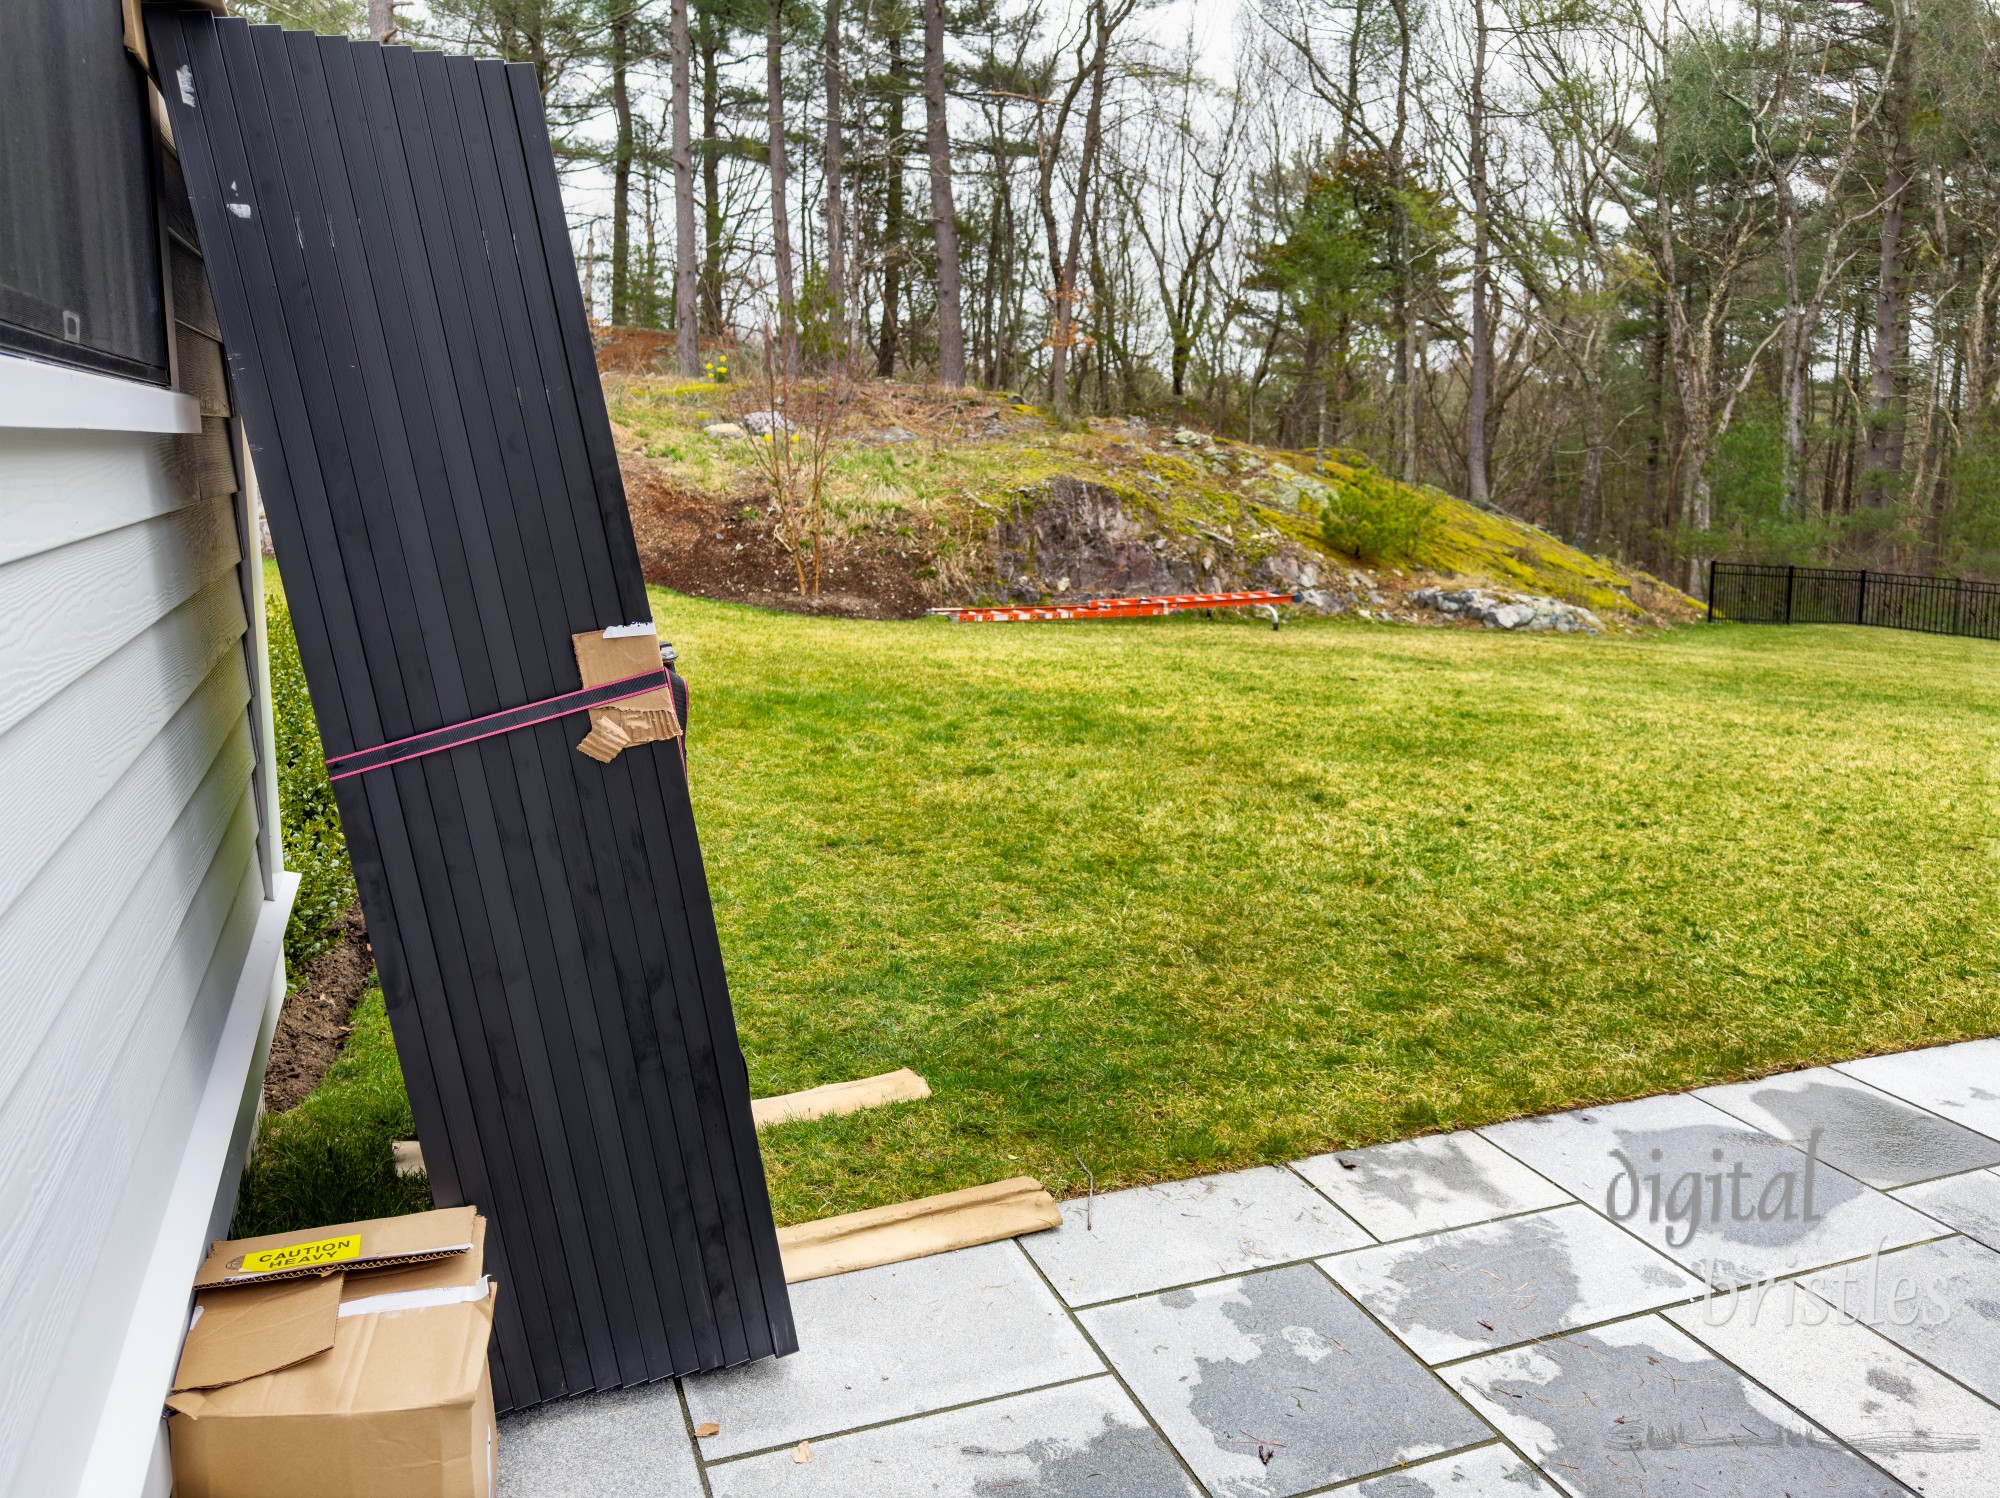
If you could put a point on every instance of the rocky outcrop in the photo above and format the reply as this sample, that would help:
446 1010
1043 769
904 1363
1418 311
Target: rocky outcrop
1526 611
1070 539
1076 539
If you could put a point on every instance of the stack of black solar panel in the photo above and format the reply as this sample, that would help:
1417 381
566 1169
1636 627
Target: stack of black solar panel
396 290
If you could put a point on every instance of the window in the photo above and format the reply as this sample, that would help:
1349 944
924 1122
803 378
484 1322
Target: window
79 247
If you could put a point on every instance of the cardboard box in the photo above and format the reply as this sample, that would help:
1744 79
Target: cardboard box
343 1383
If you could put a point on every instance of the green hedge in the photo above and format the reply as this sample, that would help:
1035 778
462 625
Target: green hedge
315 846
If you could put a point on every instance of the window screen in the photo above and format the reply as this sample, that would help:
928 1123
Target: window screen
79 255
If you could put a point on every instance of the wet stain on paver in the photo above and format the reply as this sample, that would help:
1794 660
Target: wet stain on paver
1276 1383
1969 1202
1492 1473
1431 1185
1514 1283
1892 1384
1655 1415
1874 1136
1940 1301
1448 1169
1118 1461
1453 1294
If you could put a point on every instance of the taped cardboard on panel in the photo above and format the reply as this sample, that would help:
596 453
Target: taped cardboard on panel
613 654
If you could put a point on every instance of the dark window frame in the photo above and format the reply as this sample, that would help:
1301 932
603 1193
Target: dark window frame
122 272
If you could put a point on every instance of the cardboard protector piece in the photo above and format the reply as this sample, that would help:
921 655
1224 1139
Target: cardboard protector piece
835 1098
246 1330
612 655
915 1229
349 1247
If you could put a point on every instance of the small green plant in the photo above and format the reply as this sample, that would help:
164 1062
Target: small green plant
1391 524
328 1159
717 369
315 845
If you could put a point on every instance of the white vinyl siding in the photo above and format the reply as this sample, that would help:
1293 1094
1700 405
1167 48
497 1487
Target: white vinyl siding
138 867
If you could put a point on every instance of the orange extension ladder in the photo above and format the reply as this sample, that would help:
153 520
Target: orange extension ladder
1123 608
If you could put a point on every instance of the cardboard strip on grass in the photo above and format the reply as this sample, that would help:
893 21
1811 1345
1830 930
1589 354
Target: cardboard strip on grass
831 1100
916 1229
900 1086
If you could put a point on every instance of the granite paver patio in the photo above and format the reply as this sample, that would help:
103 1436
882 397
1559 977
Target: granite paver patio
1483 1315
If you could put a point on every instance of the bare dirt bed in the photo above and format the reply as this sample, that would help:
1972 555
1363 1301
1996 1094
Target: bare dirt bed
313 1026
700 543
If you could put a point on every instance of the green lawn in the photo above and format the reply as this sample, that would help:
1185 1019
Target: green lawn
328 1160
1184 895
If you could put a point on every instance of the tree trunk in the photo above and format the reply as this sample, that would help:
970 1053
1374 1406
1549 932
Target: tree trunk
382 20
1405 418
687 346
781 218
1656 439
1882 460
944 216
1479 379
1093 132
1795 352
1590 498
892 219
621 165
1977 338
1350 103
836 247
711 179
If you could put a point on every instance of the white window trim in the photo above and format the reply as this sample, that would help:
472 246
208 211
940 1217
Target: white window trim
53 397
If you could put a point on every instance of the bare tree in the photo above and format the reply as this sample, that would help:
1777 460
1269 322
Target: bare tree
1479 367
781 218
836 234
944 214
687 347
1103 18
1178 196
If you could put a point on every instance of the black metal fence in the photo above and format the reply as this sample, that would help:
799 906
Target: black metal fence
1764 593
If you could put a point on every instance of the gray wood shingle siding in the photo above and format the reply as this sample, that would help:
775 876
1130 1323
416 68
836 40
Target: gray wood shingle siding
131 870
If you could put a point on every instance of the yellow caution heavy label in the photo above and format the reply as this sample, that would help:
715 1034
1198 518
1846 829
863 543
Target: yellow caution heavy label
303 1255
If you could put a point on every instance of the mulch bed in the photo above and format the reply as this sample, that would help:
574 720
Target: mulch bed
312 1027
